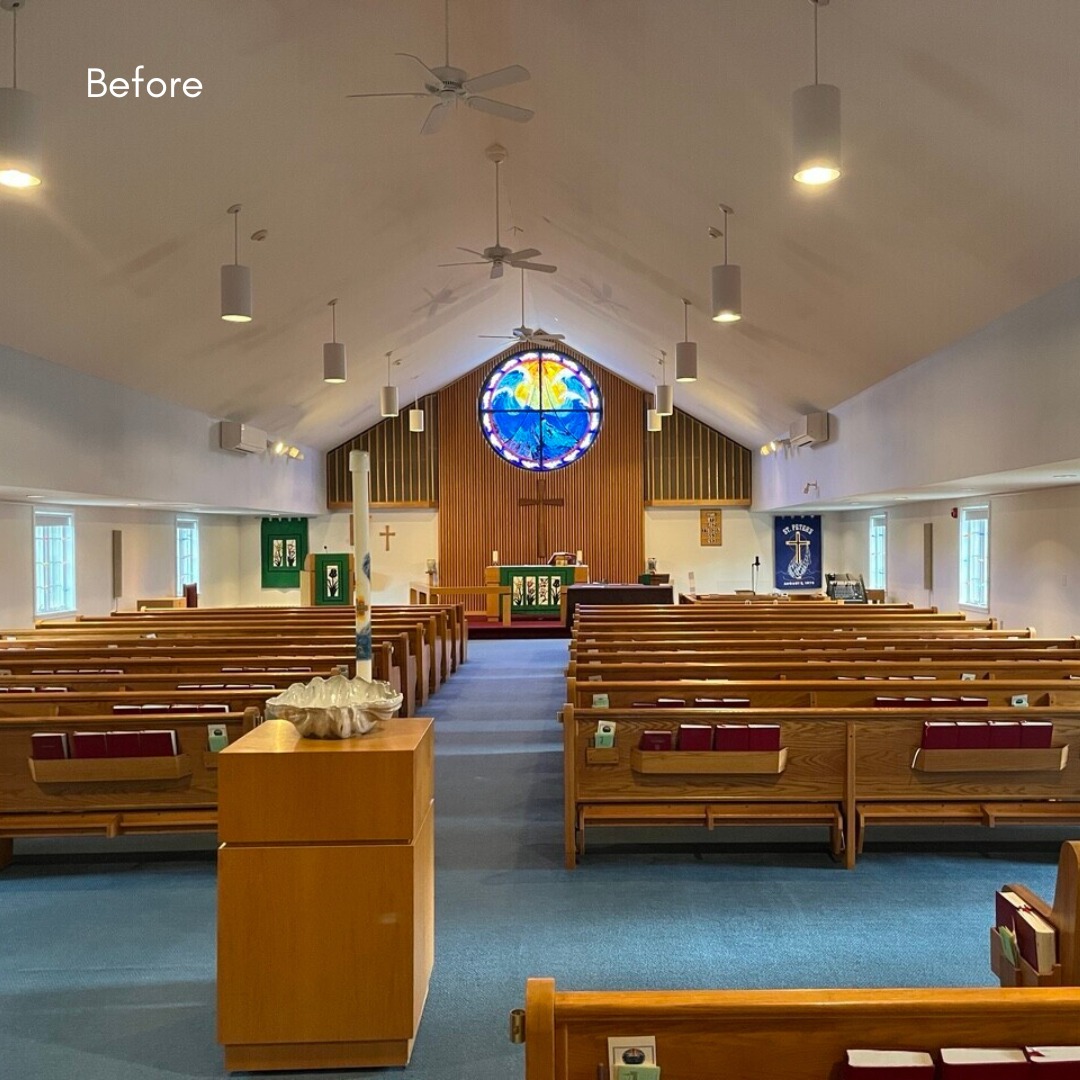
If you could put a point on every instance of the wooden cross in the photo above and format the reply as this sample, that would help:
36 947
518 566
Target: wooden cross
386 534
540 502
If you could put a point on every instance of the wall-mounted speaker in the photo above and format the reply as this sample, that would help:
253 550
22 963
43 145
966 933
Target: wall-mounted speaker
117 564
928 556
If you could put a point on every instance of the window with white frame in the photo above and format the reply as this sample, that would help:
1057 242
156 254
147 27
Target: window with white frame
187 552
54 562
975 556
877 552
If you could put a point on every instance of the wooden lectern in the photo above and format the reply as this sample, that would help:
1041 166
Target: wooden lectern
326 897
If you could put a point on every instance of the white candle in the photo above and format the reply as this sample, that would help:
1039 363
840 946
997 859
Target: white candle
579 558
495 558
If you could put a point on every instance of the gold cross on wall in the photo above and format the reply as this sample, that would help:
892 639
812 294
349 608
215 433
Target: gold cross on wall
386 534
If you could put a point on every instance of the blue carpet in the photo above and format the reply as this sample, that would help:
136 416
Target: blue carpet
107 965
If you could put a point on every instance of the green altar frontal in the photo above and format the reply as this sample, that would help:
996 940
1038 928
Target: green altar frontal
535 590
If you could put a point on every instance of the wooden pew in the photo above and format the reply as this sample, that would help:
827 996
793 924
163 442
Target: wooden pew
789 1034
843 768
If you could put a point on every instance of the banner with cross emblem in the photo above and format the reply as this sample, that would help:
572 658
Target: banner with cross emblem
797 551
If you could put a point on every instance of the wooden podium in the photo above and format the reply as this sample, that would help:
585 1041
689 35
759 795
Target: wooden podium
326 897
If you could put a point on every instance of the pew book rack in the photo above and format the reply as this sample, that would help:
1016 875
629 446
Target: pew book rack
109 770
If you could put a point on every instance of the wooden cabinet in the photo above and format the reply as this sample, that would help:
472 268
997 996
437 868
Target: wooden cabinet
325 896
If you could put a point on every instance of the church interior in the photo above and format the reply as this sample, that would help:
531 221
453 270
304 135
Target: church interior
630 390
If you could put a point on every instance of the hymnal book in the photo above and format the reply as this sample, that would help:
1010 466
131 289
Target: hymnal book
1004 734
734 703
972 735
1006 905
888 1065
974 701
979 1064
671 702
49 746
1036 939
88 744
763 736
158 744
122 744
695 736
731 737
655 740
1054 1062
717 702
943 702
939 735
1036 734
642 704
888 702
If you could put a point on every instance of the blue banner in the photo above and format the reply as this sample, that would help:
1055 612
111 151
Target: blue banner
797 551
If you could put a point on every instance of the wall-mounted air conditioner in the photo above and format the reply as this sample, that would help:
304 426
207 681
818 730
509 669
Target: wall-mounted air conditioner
810 429
242 437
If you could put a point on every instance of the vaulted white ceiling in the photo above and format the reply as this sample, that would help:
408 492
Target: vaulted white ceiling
961 139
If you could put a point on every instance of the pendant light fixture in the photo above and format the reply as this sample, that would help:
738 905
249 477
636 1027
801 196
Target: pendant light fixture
388 395
236 280
653 420
816 125
726 282
20 124
416 414
686 351
665 392
333 352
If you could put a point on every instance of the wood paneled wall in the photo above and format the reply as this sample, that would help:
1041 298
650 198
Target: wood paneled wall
404 464
688 463
603 500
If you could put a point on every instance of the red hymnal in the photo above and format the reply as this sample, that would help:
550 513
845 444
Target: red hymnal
889 703
763 736
48 745
158 743
734 703
643 705
888 1065
671 702
122 744
972 735
976 701
88 744
977 1064
1054 1062
731 737
1036 939
695 737
655 740
943 702
1004 734
1006 905
1036 734
939 735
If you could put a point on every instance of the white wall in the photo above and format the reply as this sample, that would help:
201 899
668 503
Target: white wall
415 540
62 431
149 558
1034 556
1001 399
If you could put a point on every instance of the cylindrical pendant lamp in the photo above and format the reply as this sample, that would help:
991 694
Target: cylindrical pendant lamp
653 421
416 419
236 280
727 293
665 399
686 351
816 133
388 401
333 352
20 139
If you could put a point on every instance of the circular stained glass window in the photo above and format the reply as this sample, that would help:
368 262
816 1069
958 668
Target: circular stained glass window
540 410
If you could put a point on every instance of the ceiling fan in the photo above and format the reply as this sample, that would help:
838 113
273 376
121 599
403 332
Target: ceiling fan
497 255
527 333
447 85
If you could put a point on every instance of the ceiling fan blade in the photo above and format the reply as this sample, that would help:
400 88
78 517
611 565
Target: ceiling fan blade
472 251
550 337
500 108
544 268
503 77
496 269
497 337
436 118
524 253
483 263
434 78
416 93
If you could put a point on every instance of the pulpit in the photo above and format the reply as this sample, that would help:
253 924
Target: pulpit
534 590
